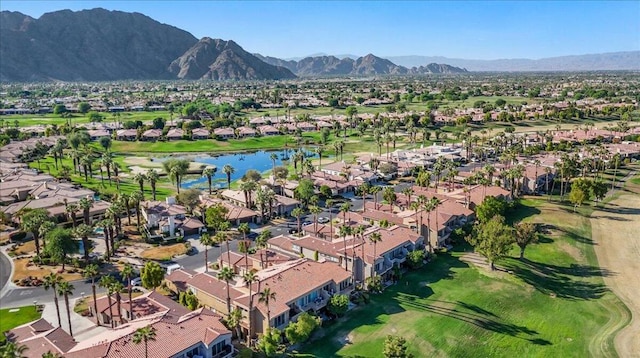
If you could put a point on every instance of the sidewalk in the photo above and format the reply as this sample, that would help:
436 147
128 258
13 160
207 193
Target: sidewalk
83 327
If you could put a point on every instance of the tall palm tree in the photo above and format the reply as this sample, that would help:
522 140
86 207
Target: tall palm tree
116 287
226 274
319 150
91 272
228 170
298 213
344 209
86 204
144 335
274 158
429 206
128 273
209 172
140 178
266 296
83 231
206 240
51 281
248 187
375 190
249 278
152 178
72 212
315 210
136 198
364 190
65 289
328 205
374 238
107 163
345 230
107 282
408 192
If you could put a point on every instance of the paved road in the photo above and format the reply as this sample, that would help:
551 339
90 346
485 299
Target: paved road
5 269
16 297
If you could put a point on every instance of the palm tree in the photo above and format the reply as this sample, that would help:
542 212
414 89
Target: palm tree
136 198
248 187
429 206
364 190
265 297
128 273
345 230
83 231
319 150
86 204
91 272
31 222
152 178
13 350
344 209
52 281
374 238
209 172
274 158
375 190
65 289
226 274
408 192
206 240
107 163
328 205
72 212
107 282
249 278
389 195
139 178
145 334
315 210
298 213
116 287
228 170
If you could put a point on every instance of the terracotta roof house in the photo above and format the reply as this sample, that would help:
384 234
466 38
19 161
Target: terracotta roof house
151 135
162 212
224 133
126 134
200 133
175 134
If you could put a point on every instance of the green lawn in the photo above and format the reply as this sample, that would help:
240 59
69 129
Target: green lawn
636 180
9 320
76 118
554 305
127 186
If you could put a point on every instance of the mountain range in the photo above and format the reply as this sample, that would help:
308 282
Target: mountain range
369 65
102 45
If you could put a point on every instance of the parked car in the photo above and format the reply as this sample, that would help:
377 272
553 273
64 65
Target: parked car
305 223
252 235
192 251
293 231
136 282
323 220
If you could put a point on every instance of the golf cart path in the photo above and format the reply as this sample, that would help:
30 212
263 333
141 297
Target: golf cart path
616 235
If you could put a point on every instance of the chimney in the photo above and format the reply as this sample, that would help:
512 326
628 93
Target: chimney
170 200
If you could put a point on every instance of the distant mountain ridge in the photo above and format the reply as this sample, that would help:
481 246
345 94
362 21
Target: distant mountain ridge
368 65
612 61
102 45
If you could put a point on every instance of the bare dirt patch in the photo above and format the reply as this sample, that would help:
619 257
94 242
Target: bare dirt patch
164 252
617 244
24 268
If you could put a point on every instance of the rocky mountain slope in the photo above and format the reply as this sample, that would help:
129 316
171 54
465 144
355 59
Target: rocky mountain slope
102 45
215 59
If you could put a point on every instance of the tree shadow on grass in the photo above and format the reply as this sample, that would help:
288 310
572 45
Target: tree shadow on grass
520 212
548 229
561 281
473 315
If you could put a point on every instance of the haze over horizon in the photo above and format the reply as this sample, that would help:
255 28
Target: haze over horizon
468 30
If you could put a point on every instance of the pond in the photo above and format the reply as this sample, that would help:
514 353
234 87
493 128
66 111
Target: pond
241 162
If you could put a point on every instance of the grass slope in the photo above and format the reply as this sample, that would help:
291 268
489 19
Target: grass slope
554 304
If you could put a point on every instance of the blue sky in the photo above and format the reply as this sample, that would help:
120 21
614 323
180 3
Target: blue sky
459 29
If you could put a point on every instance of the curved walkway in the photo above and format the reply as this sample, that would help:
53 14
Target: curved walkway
6 269
616 234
